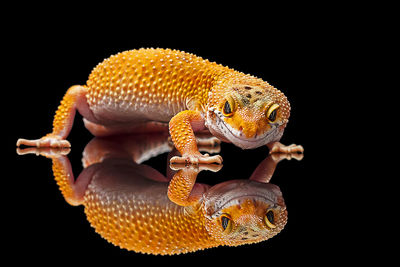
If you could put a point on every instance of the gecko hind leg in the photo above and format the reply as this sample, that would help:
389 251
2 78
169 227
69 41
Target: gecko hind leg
74 99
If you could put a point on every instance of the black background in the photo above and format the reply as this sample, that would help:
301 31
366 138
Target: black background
302 55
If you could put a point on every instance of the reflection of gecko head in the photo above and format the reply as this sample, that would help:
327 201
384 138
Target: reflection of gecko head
243 211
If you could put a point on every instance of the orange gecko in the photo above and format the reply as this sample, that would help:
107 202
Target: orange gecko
142 90
135 207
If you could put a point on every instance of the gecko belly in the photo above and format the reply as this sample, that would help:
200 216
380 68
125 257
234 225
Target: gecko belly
117 113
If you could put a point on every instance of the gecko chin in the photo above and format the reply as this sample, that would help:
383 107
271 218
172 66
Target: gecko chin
226 133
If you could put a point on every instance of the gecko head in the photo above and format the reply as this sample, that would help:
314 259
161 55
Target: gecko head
242 211
248 116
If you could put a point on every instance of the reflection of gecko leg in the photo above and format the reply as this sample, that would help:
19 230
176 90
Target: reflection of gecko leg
73 191
183 189
266 168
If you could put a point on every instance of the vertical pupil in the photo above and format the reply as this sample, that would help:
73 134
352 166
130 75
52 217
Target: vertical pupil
270 216
227 108
272 116
225 222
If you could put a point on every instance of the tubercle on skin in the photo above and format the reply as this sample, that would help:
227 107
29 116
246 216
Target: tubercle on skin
151 77
138 86
154 85
163 81
157 76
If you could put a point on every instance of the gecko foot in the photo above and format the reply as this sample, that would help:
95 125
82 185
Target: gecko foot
199 168
48 152
277 157
196 159
46 141
280 148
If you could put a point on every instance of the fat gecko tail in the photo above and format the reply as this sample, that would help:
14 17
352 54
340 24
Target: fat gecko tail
63 120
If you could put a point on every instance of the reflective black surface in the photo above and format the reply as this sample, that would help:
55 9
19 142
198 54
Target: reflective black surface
125 200
102 154
41 224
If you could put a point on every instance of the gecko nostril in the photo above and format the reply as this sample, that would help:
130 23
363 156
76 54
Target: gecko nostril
241 128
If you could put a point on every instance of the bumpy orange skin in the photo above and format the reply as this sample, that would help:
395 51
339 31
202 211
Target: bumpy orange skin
136 214
134 207
189 92
159 84
156 81
163 85
152 227
253 97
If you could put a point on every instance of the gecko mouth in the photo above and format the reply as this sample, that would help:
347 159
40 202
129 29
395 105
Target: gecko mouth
238 200
235 136
234 192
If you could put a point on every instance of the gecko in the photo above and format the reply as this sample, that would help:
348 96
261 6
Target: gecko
137 208
147 89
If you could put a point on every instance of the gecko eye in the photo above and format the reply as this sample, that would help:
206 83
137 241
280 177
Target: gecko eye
229 107
271 113
226 223
272 116
270 219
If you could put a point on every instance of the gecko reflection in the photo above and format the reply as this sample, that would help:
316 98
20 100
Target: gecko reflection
131 205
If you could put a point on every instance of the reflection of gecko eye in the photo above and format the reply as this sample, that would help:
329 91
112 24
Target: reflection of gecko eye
270 219
226 223
271 113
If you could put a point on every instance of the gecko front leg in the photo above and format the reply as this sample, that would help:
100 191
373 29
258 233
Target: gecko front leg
181 128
